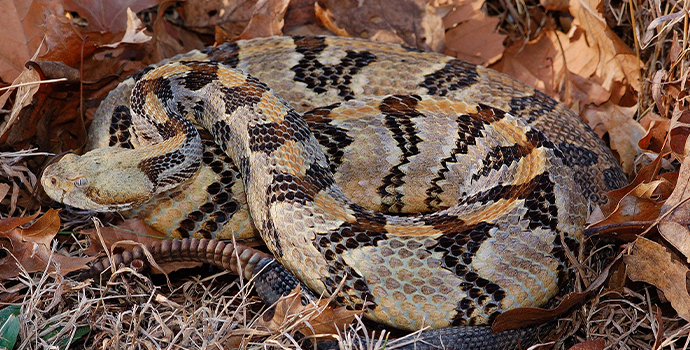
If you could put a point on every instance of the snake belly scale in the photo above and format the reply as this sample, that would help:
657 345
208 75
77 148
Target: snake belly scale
514 174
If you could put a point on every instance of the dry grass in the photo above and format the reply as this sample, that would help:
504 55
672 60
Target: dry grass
206 310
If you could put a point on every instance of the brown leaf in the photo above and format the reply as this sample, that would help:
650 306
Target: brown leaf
4 189
413 22
590 50
169 39
678 235
657 128
558 64
19 45
318 319
647 174
31 247
678 133
45 228
676 213
64 45
631 209
134 33
64 42
624 131
471 35
301 14
106 15
555 5
598 344
267 19
325 16
210 13
331 320
24 96
652 263
11 223
616 64
523 316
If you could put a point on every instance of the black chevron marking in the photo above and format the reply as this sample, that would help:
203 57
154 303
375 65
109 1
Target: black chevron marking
399 111
470 127
319 77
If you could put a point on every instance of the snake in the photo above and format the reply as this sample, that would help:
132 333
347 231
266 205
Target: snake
422 189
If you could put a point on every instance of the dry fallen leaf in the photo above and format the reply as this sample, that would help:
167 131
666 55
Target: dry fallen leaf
674 225
657 129
599 344
32 246
4 189
678 133
624 131
267 19
134 33
555 5
170 39
25 18
316 319
617 65
131 229
413 22
209 13
652 263
106 15
471 35
637 205
638 202
27 85
561 65
678 235
41 108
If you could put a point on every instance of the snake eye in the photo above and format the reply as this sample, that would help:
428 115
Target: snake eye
80 182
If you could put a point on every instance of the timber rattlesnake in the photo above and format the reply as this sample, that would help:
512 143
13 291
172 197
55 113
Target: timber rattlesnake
496 163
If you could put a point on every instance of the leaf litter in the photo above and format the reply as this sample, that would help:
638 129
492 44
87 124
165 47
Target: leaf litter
622 66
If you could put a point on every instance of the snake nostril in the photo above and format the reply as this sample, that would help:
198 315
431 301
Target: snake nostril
53 180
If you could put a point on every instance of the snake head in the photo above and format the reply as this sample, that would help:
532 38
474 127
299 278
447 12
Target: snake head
105 179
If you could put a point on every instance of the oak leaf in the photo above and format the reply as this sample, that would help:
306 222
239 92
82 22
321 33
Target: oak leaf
676 213
598 344
106 15
624 131
32 246
380 21
25 18
134 33
616 64
559 64
471 35
267 19
635 204
316 319
652 263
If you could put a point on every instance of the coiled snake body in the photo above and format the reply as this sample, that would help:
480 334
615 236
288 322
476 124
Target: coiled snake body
501 171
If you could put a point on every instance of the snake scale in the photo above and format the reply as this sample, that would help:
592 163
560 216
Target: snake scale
441 192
